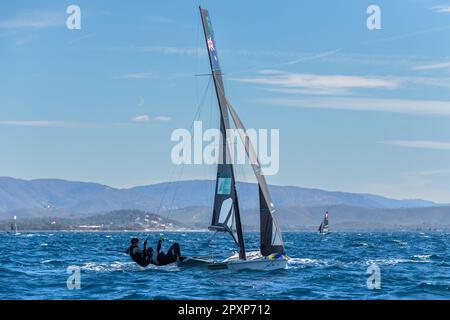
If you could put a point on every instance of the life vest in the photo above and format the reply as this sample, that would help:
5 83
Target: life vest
139 259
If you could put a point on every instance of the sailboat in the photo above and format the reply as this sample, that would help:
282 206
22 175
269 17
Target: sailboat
226 213
323 228
13 228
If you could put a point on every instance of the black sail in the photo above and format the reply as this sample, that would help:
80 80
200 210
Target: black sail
226 215
271 240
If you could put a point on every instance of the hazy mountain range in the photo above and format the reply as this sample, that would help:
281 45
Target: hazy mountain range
190 202
37 196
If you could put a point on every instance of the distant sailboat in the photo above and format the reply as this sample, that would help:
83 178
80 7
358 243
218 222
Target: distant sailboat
13 229
226 213
323 228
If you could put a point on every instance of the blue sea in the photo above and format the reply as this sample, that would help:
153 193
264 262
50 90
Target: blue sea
412 266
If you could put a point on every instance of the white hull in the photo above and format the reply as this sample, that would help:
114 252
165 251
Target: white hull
254 261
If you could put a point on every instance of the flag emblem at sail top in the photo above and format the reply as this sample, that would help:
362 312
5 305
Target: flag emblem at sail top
210 44
213 53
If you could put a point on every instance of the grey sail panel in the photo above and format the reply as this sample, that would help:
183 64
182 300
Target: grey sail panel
271 239
226 215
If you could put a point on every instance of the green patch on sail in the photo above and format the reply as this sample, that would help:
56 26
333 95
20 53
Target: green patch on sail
224 186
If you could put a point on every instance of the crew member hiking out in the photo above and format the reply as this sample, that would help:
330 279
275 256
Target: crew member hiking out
148 256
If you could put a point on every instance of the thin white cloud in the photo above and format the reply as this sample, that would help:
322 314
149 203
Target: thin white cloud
35 20
311 92
433 66
138 75
142 118
441 8
163 118
318 82
160 49
308 58
72 124
420 107
420 144
407 35
201 50
146 118
51 124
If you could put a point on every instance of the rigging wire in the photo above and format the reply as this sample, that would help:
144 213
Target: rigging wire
196 117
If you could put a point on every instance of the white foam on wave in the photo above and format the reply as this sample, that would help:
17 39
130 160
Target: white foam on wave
422 256
400 242
394 261
304 262
106 267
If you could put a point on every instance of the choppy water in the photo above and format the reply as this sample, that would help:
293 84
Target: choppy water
413 266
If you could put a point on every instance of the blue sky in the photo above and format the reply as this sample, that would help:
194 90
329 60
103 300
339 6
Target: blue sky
358 110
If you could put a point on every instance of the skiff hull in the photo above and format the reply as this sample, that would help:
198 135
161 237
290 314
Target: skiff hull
254 261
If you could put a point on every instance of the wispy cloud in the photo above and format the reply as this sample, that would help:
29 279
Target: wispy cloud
408 35
309 58
441 8
432 66
52 124
142 118
36 20
136 122
138 75
163 118
201 50
146 118
160 49
319 83
421 107
420 144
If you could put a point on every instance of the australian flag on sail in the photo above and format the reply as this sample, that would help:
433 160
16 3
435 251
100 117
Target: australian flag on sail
212 46
213 53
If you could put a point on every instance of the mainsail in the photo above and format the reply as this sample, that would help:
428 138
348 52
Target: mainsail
226 216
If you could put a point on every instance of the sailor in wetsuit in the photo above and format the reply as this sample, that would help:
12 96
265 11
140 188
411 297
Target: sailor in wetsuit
146 256
139 256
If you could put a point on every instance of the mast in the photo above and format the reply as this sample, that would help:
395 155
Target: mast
226 214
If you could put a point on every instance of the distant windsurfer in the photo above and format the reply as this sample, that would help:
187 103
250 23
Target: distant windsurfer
148 256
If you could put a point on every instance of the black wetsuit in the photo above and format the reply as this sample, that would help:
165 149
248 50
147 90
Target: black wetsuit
171 256
142 257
